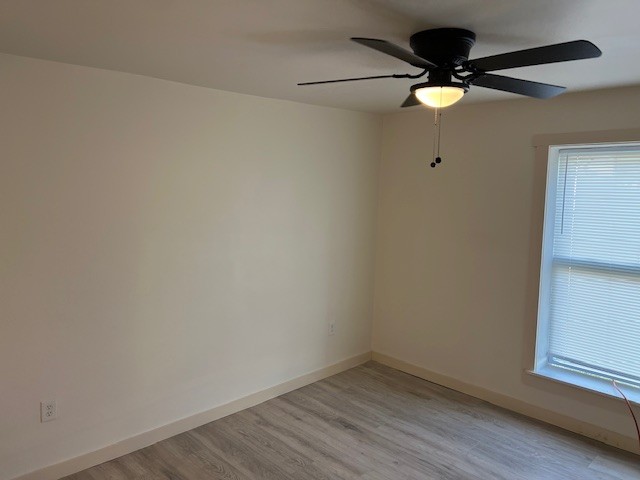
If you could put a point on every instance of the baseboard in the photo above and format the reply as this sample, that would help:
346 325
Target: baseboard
76 464
567 423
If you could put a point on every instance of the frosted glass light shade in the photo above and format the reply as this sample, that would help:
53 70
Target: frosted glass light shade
439 97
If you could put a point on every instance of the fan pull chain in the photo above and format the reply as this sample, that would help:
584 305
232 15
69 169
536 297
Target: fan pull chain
437 123
435 127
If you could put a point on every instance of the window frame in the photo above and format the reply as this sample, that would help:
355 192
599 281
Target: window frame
543 218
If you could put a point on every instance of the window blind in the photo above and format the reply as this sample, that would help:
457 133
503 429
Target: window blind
594 304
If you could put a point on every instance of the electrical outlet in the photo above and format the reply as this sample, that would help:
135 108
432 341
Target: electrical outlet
48 411
332 328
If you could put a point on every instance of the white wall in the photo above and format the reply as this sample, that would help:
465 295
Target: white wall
458 246
168 248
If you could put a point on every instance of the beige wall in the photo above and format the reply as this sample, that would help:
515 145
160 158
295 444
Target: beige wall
168 248
458 246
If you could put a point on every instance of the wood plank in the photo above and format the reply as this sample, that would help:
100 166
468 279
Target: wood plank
373 423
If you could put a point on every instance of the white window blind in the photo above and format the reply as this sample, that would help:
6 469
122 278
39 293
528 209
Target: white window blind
593 304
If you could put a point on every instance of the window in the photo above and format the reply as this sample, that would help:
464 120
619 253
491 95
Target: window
589 305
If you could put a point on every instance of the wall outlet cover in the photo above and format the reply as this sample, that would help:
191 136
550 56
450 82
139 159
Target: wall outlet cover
48 411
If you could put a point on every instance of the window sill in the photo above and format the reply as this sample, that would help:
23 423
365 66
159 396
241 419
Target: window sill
585 382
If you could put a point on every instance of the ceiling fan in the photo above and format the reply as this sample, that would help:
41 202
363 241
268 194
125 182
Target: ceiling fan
443 55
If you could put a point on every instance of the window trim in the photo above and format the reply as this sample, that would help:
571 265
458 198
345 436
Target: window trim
537 366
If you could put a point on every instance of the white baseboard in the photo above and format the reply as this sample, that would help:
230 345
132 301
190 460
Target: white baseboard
577 426
76 464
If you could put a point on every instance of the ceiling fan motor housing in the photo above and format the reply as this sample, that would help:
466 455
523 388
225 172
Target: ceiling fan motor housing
443 46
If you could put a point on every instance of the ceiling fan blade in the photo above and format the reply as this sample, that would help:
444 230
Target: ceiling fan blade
395 51
515 85
560 52
411 101
356 79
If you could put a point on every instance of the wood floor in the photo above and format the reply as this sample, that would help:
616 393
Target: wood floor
373 422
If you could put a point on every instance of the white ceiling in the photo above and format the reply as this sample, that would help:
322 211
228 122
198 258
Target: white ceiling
264 47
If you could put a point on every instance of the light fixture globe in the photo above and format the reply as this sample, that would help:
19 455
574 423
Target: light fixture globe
439 94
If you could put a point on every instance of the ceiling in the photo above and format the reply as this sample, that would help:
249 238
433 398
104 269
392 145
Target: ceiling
264 47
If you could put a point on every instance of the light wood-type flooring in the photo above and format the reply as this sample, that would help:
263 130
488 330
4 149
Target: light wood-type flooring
373 422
